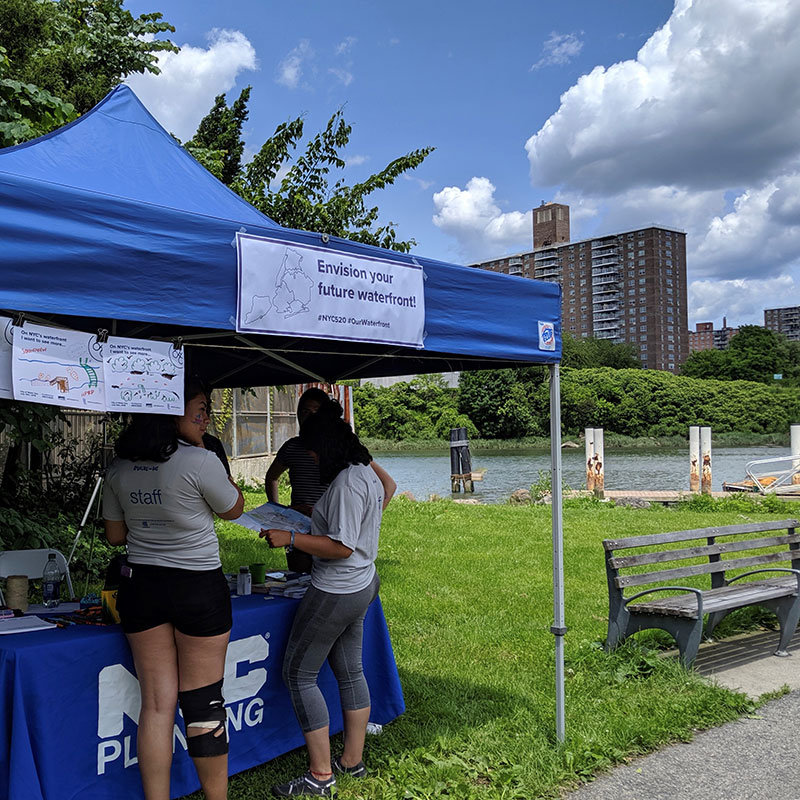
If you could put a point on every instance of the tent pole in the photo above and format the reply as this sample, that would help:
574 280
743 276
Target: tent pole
283 360
558 628
344 376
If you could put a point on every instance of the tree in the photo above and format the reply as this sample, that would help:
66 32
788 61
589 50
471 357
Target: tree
304 197
424 408
585 353
78 50
710 363
497 402
756 354
26 111
220 133
753 354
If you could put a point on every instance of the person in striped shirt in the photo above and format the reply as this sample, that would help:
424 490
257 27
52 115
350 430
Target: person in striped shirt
307 487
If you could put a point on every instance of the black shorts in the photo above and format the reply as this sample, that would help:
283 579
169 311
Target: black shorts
195 603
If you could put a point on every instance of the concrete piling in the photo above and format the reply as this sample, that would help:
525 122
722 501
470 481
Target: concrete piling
694 459
595 462
588 434
795 443
705 460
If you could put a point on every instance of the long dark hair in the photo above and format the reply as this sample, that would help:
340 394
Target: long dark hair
312 395
154 437
333 440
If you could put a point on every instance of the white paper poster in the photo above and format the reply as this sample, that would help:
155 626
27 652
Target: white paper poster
58 367
301 290
6 341
143 376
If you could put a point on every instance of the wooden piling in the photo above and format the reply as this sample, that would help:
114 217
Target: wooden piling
460 461
694 459
705 460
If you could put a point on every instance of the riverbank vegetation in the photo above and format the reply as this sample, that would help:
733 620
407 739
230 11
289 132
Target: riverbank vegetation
467 592
612 441
632 405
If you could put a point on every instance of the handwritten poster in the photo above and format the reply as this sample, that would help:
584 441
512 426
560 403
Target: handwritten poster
301 290
58 367
143 376
6 340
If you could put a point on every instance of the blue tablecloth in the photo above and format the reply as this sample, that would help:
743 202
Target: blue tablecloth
69 704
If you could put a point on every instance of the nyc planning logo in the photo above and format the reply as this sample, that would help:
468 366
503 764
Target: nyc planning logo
547 336
119 697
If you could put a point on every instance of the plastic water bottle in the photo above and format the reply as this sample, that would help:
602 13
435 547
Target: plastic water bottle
51 582
244 581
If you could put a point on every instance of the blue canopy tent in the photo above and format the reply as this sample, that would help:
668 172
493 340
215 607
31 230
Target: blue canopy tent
109 223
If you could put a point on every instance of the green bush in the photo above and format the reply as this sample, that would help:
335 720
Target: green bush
515 403
424 408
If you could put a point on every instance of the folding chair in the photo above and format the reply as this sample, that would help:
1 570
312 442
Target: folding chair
31 563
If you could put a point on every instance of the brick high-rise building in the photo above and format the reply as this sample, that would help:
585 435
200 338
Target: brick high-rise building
785 321
550 224
707 337
702 337
626 287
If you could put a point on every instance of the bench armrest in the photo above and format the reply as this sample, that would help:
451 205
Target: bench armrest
796 573
697 592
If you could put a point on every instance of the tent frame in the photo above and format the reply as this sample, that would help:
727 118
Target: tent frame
109 225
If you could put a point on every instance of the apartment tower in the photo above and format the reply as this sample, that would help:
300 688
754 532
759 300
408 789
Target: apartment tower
707 337
625 287
785 321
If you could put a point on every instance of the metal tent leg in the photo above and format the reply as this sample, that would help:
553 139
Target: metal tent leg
558 628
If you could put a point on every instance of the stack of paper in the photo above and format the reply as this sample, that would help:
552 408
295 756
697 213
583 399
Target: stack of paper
24 624
291 588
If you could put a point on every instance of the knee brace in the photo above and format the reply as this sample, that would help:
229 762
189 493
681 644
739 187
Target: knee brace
205 708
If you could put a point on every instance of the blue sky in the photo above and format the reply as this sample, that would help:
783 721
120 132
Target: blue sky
683 113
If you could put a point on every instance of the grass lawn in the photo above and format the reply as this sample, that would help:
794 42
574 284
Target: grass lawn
467 593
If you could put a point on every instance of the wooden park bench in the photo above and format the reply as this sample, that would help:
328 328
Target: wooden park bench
655 566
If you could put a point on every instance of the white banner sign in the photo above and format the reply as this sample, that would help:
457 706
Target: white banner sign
301 290
143 376
6 342
58 367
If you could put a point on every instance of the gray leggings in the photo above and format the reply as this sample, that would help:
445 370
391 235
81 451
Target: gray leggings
327 626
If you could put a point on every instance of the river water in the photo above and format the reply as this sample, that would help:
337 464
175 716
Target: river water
425 473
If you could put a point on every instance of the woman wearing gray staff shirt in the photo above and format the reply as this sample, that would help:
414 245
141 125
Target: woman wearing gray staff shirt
329 622
161 493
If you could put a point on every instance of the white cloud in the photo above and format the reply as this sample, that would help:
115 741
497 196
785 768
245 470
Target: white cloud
290 70
710 301
342 75
423 184
475 220
345 45
760 235
711 100
701 131
356 160
343 72
559 48
190 80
